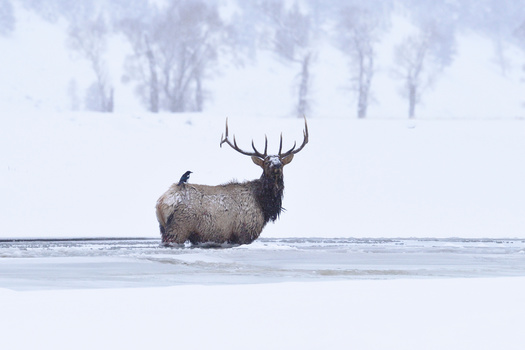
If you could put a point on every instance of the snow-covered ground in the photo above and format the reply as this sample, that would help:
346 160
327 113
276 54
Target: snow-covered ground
454 172
89 174
279 294
372 314
84 174
457 171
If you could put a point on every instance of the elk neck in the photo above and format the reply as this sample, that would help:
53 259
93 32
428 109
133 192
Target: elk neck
269 193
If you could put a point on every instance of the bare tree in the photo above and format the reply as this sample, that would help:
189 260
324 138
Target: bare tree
422 56
173 51
7 17
497 20
360 30
89 39
153 78
292 39
410 56
418 61
503 22
142 65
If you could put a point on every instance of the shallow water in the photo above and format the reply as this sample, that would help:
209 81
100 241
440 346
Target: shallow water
111 263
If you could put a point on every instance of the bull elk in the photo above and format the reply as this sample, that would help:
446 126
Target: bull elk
233 213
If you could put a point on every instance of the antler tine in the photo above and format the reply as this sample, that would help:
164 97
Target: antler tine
225 139
290 151
258 154
305 141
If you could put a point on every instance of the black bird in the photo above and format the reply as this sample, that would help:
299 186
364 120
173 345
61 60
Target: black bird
184 178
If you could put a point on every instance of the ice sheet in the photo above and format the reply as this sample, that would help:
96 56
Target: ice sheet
110 263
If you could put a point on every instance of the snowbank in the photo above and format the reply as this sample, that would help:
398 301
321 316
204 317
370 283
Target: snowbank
394 314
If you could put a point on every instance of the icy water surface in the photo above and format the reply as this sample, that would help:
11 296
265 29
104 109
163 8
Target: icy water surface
110 263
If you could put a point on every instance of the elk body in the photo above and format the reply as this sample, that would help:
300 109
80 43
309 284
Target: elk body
234 213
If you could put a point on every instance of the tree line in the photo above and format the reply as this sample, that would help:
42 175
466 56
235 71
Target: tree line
176 44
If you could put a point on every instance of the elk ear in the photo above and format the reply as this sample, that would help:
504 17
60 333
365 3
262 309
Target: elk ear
258 161
287 159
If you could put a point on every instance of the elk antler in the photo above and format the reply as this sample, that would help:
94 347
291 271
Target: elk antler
293 150
224 138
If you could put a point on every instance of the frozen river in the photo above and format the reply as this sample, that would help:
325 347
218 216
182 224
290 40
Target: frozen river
113 263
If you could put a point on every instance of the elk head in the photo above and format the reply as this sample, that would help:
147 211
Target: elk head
272 165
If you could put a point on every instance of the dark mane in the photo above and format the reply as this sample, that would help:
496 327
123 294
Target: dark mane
269 194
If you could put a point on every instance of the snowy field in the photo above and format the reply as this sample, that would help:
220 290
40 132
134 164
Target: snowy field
455 171
95 175
372 314
275 293
68 179
91 175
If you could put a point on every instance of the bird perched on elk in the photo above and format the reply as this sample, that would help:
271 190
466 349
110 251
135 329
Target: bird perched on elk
234 213
184 178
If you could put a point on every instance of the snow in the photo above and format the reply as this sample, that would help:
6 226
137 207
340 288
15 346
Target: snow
173 199
276 161
292 293
126 263
456 171
453 172
399 314
87 174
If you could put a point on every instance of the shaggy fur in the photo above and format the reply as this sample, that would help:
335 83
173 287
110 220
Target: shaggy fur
269 195
234 213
